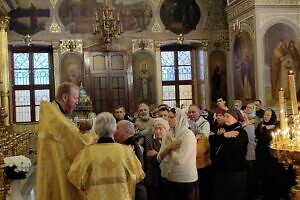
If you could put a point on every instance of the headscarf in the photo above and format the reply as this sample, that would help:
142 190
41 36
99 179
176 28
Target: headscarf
220 111
253 113
273 118
182 124
162 123
236 114
182 127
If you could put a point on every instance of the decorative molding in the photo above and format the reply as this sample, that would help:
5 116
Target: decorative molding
55 46
65 48
96 45
155 2
54 27
156 28
141 44
267 17
4 8
240 8
217 17
53 3
276 2
250 22
4 22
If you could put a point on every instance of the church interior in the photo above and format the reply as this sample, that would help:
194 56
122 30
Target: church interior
124 52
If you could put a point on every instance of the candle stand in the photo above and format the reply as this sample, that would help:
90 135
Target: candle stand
283 156
285 144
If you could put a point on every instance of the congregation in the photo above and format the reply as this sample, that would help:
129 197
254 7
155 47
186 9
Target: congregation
164 153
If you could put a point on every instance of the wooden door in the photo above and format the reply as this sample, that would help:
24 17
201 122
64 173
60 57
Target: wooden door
109 81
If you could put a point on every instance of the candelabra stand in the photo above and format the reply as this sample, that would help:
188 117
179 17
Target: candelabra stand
284 155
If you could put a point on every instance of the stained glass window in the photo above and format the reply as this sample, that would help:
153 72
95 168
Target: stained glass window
21 68
184 65
33 82
41 68
176 67
167 66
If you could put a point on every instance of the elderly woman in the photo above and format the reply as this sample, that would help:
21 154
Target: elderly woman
106 170
153 177
230 162
275 180
178 158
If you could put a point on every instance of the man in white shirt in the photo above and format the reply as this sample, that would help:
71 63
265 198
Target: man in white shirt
203 127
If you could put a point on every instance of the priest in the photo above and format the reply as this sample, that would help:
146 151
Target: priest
59 141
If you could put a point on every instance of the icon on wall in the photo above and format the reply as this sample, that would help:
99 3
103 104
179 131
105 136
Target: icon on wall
180 16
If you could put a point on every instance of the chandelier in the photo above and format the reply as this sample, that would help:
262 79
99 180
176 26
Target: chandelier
108 24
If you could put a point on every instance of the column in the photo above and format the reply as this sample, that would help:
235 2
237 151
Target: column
158 72
56 65
4 75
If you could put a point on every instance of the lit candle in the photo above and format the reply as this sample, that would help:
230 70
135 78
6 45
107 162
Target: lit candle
283 125
293 96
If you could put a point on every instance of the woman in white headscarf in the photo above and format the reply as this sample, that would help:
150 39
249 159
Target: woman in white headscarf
178 158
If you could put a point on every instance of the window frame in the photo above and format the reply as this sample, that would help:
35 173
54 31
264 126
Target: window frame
31 87
177 82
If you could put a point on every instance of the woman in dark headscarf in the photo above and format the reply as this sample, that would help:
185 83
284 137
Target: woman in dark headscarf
230 163
275 180
263 134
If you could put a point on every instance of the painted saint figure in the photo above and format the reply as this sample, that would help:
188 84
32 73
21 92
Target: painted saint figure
283 60
146 79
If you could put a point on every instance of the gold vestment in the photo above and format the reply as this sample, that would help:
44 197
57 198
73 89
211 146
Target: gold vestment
106 171
59 141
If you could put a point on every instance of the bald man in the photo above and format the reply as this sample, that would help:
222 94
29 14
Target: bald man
125 135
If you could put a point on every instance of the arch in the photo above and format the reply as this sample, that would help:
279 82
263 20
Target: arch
277 37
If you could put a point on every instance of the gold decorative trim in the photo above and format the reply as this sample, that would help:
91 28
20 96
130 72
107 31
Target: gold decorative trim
155 2
53 3
54 27
77 45
156 28
4 94
4 22
141 44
